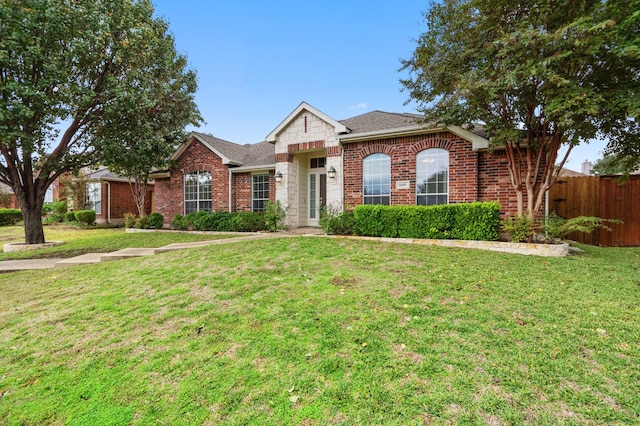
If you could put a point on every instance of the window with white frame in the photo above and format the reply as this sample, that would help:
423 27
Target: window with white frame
260 192
197 192
432 177
376 178
94 197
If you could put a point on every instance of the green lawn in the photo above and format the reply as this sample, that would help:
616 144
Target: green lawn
321 331
93 240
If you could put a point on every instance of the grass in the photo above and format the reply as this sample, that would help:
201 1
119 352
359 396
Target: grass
93 240
324 331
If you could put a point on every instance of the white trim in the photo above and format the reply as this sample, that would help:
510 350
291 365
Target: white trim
259 168
478 142
338 127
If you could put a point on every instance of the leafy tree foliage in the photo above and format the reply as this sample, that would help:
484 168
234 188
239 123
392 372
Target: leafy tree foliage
79 78
615 164
537 74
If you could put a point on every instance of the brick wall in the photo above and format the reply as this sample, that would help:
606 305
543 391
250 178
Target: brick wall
122 202
169 192
242 187
463 170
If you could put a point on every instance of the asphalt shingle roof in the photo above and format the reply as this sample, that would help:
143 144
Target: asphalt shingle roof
380 120
257 154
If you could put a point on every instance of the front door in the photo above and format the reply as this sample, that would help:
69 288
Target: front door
317 196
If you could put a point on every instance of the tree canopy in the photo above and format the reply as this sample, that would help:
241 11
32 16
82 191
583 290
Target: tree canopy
78 79
537 74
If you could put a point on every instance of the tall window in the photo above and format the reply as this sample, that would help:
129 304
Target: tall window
260 192
376 176
94 197
432 177
197 192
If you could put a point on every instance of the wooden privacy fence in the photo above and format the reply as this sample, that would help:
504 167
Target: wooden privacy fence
604 197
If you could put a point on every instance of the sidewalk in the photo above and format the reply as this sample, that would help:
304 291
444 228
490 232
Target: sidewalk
89 258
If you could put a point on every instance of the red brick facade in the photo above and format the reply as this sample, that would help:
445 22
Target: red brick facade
242 187
473 175
121 199
169 192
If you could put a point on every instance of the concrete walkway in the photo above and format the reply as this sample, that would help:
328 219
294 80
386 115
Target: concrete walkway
89 258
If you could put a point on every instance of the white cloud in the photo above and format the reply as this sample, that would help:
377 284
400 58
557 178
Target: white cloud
362 105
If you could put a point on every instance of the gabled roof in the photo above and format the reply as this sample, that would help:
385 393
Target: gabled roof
338 126
258 154
380 124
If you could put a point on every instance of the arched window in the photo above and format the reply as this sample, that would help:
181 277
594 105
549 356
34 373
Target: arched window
376 178
197 192
432 177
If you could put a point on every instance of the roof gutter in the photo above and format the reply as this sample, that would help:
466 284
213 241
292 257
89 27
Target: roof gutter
252 168
477 141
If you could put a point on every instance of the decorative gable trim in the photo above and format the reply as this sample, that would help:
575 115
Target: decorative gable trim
339 127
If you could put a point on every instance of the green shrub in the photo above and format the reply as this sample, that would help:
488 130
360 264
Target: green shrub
334 222
248 221
130 220
10 216
88 217
156 220
555 227
56 207
519 227
469 221
70 217
220 221
176 223
274 215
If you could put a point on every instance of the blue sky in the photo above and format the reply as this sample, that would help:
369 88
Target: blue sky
257 60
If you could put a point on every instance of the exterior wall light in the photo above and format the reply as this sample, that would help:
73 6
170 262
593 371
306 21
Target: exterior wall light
278 177
331 172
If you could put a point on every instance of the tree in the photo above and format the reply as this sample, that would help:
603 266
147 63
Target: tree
615 164
537 74
76 78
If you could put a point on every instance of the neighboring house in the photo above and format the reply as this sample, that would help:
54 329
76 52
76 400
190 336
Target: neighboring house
7 197
311 160
570 173
110 196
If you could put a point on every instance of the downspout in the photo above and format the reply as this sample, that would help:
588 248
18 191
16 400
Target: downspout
229 170
341 174
108 202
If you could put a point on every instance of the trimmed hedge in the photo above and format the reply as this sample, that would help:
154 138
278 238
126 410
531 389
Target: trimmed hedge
469 221
88 217
220 221
10 216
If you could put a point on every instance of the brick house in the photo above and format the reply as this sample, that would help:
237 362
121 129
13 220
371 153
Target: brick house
311 160
110 196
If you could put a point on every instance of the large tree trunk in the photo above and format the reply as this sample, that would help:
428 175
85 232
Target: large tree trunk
30 200
33 230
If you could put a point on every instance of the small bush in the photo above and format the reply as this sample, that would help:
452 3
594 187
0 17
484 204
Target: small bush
274 215
88 217
468 221
70 217
156 220
334 222
10 216
176 223
555 227
130 220
58 208
519 227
